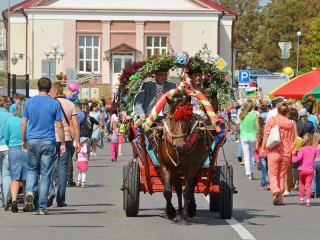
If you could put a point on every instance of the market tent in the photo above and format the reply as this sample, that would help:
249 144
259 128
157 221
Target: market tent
314 94
299 86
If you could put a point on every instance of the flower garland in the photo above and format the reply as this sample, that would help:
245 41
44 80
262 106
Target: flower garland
183 112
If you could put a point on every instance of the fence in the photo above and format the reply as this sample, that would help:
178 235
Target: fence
18 84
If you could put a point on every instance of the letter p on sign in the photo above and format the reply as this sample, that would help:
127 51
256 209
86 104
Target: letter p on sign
244 76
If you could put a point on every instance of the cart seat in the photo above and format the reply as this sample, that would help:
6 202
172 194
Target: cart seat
151 153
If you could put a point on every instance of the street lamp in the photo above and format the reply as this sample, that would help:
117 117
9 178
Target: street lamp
298 35
55 52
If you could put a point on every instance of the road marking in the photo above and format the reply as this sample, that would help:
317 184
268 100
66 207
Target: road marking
243 233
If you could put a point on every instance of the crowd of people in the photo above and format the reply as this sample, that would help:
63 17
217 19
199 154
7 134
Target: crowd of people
292 164
40 136
39 155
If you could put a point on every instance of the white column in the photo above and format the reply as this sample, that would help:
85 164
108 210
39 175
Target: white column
140 39
105 46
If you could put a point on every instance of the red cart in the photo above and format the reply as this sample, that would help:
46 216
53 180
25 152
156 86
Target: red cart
143 175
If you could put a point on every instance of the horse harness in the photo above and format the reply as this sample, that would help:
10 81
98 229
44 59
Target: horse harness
197 130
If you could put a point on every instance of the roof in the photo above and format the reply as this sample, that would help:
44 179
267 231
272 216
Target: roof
118 4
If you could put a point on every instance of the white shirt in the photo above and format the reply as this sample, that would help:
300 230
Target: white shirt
272 113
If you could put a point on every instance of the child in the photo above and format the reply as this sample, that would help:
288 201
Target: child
82 162
305 157
114 141
264 185
316 178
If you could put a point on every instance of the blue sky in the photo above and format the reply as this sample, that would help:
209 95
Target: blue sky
5 4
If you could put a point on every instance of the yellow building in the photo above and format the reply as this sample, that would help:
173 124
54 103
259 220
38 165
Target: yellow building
105 36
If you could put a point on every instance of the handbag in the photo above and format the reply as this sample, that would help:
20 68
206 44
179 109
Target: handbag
274 137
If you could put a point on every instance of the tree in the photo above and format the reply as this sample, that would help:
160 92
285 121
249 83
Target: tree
312 52
245 28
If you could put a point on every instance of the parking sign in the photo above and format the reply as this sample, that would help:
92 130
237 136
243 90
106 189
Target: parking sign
244 76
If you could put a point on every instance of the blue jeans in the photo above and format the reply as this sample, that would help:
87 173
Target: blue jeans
316 179
41 154
264 170
61 164
4 175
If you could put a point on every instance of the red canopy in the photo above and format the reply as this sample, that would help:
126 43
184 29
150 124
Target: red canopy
299 86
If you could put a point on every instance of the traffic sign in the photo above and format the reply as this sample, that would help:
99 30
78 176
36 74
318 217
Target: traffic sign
221 63
243 85
244 76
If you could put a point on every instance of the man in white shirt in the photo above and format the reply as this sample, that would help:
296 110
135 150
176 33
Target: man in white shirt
274 112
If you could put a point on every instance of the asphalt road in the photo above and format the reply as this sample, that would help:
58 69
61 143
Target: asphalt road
96 212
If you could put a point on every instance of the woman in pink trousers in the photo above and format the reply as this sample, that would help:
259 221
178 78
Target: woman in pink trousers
279 156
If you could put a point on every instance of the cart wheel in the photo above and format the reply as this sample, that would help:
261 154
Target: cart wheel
226 192
132 190
124 174
214 197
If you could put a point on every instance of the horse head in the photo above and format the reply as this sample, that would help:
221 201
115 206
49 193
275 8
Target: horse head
178 121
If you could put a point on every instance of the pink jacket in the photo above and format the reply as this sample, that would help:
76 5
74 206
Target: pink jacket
306 158
287 147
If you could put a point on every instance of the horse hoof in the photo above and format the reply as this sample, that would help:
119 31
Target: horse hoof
171 213
192 210
184 218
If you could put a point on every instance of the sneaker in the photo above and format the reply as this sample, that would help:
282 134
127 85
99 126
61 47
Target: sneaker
43 212
286 194
62 205
78 184
262 187
83 185
276 197
268 187
94 154
71 184
29 203
7 204
308 203
50 200
91 153
313 194
301 201
14 207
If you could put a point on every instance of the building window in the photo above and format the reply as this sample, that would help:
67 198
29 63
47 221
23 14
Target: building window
89 54
1 32
156 45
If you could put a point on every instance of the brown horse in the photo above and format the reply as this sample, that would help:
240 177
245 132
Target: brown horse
182 148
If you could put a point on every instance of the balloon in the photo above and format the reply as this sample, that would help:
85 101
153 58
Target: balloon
68 96
73 87
134 78
288 71
74 95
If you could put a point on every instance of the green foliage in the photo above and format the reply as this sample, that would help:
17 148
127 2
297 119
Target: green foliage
312 53
158 63
218 88
59 77
259 29
3 74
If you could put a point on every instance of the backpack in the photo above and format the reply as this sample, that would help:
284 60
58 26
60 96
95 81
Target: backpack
85 128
